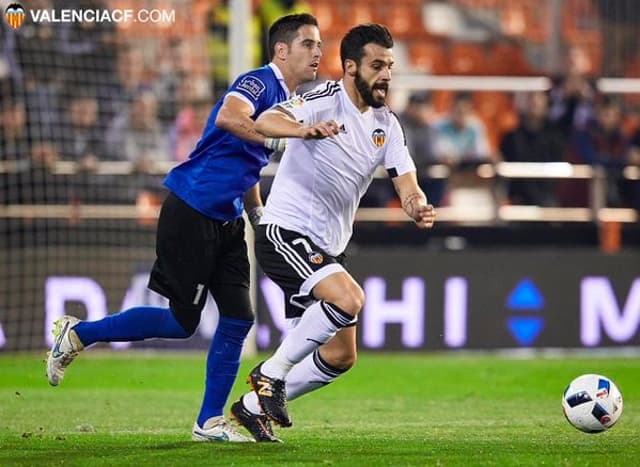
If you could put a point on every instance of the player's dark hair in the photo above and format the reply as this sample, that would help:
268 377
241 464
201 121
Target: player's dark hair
285 29
352 45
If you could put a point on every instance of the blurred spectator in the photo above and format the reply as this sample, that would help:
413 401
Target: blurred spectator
191 89
81 137
89 47
44 156
14 141
136 135
535 139
38 54
461 143
632 187
82 141
601 143
461 136
39 184
188 128
14 137
634 149
38 47
619 20
572 95
130 77
416 120
175 76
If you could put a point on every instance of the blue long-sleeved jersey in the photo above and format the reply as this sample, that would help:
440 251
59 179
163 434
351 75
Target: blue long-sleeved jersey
223 166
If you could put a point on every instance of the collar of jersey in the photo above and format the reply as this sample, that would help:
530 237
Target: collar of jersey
280 77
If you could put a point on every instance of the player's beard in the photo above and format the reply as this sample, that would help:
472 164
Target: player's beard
366 91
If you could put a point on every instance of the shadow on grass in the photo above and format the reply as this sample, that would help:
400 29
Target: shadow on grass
135 450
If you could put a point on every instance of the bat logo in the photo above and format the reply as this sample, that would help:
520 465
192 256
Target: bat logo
379 137
15 15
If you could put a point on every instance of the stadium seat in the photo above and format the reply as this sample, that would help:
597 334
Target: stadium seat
404 18
442 101
580 23
360 11
469 58
631 121
496 110
428 56
333 17
330 65
488 104
633 71
324 13
509 59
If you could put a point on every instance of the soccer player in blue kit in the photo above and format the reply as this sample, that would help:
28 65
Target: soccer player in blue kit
200 244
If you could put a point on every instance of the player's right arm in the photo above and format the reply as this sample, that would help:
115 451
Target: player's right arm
279 123
234 116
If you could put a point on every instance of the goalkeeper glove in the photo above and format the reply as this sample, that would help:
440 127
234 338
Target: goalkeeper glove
275 144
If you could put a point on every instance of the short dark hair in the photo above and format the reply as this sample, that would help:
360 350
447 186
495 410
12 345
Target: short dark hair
285 29
352 45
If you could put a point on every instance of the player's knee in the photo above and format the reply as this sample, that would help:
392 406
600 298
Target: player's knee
189 328
346 360
341 358
233 302
351 300
188 319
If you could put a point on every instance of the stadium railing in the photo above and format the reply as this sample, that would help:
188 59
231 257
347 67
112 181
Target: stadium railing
597 211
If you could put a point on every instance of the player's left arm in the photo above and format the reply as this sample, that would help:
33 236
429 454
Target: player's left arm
414 201
253 204
402 171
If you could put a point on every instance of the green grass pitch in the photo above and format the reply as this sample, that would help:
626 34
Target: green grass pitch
137 409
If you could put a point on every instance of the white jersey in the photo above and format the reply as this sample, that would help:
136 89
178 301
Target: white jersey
319 183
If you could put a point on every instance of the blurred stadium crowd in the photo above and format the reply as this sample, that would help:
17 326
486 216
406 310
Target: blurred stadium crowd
75 97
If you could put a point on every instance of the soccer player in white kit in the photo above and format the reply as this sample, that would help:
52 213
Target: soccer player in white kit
339 133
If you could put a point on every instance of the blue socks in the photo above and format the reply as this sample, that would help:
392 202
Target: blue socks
222 365
134 324
145 322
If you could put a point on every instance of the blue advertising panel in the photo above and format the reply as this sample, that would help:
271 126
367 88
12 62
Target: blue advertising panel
486 299
415 299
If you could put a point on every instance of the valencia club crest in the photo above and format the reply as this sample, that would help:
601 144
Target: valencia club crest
379 137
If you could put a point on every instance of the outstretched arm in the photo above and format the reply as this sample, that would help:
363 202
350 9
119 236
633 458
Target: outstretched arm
278 123
414 201
235 117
